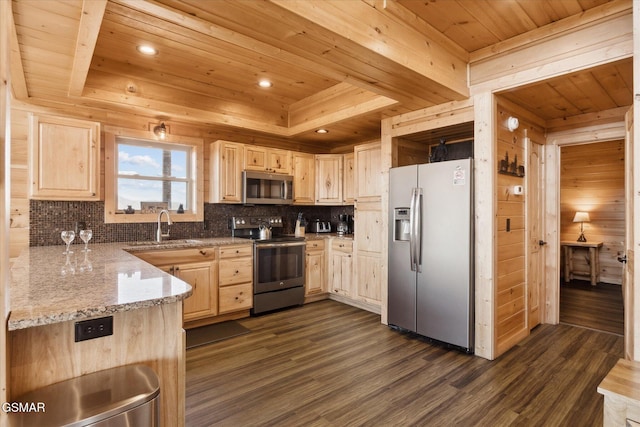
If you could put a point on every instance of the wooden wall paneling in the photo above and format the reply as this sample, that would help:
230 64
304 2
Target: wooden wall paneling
19 220
633 272
511 314
592 179
152 336
6 33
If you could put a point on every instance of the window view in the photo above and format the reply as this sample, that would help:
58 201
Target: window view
152 176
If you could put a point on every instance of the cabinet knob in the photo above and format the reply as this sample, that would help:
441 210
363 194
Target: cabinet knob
203 253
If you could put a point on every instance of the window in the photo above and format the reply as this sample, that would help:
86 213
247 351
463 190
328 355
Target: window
144 176
152 173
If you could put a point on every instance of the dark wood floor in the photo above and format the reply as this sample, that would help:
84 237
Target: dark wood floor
329 364
597 307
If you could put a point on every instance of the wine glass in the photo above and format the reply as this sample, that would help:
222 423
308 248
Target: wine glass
86 235
67 237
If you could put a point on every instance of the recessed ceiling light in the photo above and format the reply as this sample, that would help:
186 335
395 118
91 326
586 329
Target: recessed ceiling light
146 49
322 131
265 83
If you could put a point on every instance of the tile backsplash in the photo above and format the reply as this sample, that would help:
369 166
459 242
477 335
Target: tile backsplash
49 218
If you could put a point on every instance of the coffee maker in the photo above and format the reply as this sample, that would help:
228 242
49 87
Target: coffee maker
346 222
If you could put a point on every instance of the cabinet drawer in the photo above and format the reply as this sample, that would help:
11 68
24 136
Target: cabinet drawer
236 251
315 245
342 245
234 271
237 297
178 256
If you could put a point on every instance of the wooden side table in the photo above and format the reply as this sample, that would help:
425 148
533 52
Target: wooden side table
594 260
621 391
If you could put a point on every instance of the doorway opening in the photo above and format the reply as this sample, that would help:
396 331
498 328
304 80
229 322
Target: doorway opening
592 235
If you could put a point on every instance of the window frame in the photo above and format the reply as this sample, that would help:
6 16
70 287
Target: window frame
195 176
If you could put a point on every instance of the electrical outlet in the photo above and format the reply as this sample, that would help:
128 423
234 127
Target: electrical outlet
94 328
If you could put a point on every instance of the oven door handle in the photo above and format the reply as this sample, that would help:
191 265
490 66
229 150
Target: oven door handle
279 245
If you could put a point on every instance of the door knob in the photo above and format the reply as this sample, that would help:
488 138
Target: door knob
541 242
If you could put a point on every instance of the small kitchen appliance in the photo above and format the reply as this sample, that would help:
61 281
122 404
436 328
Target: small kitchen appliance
318 226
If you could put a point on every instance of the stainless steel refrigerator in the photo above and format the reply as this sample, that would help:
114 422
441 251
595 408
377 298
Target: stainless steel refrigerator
431 273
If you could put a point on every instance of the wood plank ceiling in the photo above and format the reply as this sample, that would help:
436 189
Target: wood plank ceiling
342 65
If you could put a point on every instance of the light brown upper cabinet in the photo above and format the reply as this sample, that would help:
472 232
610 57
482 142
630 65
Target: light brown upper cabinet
304 179
267 159
329 179
368 171
226 164
349 179
65 158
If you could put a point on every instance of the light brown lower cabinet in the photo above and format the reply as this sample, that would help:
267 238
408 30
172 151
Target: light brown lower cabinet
315 265
221 278
341 274
235 278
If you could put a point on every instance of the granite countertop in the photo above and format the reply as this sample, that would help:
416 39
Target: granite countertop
315 236
50 287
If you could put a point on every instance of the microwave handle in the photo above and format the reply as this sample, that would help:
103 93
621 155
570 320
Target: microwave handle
284 189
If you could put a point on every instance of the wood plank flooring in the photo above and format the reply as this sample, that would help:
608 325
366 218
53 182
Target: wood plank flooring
329 364
597 307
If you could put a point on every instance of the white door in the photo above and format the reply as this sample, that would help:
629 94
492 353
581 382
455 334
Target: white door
535 243
631 347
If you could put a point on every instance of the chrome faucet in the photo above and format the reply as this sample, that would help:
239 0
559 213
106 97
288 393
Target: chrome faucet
159 234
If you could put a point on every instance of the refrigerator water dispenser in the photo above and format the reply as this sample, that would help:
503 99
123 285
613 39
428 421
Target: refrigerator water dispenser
402 229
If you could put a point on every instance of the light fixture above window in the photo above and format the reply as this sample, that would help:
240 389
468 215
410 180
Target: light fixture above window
160 131
146 49
322 130
265 83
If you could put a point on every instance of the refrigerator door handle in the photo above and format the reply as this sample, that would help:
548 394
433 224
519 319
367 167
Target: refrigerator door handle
412 235
418 250
415 228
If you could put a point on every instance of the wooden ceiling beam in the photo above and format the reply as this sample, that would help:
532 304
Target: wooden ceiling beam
90 21
335 101
335 105
383 42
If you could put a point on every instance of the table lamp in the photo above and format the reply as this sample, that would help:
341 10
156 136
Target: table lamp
581 217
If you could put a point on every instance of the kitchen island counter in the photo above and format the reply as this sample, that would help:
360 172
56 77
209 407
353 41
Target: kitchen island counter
50 292
49 287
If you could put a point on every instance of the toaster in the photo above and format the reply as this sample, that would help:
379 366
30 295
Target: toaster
318 226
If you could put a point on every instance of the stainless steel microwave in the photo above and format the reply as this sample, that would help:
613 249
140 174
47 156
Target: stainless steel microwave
263 188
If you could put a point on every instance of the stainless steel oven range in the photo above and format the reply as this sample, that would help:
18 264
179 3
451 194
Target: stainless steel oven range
278 263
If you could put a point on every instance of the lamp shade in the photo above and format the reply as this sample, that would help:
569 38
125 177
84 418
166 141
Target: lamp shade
581 217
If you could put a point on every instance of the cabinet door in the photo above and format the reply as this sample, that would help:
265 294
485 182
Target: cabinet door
368 171
369 269
341 273
279 161
368 227
202 278
225 183
304 179
329 179
65 163
255 158
314 272
349 184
